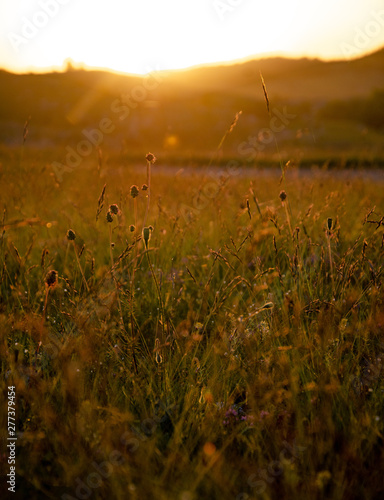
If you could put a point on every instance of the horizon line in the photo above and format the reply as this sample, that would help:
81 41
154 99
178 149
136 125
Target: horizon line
69 65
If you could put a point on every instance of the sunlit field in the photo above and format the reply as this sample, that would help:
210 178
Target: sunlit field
198 333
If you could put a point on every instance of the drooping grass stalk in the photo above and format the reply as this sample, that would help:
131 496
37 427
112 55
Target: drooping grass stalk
25 134
222 140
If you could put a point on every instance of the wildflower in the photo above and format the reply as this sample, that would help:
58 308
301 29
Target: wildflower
150 158
263 415
234 415
132 228
144 187
71 235
134 191
114 209
109 216
283 195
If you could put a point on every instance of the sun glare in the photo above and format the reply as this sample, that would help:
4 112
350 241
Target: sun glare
139 37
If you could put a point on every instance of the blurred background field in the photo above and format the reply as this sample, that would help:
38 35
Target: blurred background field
335 110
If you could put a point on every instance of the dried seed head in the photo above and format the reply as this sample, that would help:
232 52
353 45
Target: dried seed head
283 195
151 158
109 216
146 236
114 209
329 223
134 191
51 278
144 187
71 235
132 228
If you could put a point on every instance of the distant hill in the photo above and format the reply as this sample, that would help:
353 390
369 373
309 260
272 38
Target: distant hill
189 111
291 79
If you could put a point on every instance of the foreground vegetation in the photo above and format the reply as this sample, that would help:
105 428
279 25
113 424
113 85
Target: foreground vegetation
232 349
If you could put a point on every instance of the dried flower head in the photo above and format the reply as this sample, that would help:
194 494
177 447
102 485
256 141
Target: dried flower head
51 278
109 216
329 223
146 236
132 228
144 187
71 235
134 191
283 195
151 158
114 209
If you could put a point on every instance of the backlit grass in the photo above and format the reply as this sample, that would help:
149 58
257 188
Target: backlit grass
236 352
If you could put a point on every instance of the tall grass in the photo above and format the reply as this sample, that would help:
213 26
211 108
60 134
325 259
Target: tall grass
250 362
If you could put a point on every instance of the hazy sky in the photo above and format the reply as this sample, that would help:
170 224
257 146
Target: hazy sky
143 35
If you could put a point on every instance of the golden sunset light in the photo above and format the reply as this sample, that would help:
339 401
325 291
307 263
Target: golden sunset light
192 249
135 37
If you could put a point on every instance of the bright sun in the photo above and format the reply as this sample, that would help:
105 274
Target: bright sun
142 36
139 37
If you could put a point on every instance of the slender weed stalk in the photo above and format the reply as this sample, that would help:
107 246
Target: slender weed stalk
114 210
284 202
51 280
146 237
150 160
328 234
71 236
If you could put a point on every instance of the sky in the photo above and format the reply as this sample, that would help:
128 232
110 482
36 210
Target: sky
146 35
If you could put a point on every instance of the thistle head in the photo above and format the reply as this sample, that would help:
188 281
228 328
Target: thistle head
51 278
134 191
150 158
114 209
71 235
283 195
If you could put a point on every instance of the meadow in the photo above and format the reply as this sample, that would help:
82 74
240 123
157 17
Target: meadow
196 335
